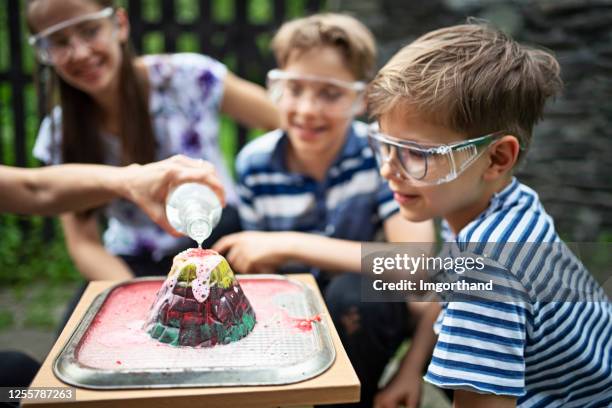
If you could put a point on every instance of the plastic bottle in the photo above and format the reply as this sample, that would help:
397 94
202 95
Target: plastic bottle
194 210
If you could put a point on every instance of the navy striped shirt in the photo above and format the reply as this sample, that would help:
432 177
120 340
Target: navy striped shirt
350 203
545 353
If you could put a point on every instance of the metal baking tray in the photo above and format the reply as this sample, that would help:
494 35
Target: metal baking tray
289 343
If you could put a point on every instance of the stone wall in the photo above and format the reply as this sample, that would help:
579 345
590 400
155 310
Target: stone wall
570 161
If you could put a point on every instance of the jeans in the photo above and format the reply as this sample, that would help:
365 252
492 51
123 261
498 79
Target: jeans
370 332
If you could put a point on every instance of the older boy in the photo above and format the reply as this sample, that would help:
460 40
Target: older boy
311 191
456 110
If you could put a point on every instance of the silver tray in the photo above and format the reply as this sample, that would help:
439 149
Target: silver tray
270 355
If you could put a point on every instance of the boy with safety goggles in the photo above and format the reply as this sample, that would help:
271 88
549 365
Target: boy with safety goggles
310 192
455 111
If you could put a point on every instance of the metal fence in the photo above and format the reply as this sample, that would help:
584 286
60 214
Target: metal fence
236 32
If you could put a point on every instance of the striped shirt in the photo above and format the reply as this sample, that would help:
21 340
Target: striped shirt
350 203
545 353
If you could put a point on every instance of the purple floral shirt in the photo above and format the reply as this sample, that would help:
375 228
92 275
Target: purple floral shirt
186 93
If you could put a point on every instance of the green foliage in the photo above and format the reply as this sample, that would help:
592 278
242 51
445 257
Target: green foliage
153 42
151 10
6 319
27 258
223 10
39 317
43 301
187 42
259 11
187 11
4 39
6 124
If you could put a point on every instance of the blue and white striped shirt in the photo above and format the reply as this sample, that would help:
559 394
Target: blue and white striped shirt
545 353
350 203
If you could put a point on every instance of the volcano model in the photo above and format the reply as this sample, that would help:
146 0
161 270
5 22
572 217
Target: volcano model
200 304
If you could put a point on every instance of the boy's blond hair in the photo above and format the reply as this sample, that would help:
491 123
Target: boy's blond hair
342 32
471 78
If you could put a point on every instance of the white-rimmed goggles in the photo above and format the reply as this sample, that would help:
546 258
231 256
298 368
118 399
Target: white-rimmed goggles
427 164
332 96
50 50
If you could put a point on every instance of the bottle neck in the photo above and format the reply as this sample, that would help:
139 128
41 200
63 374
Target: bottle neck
199 229
197 222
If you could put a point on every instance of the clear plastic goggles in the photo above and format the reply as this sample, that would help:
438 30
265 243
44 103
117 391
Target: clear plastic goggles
53 47
428 164
331 96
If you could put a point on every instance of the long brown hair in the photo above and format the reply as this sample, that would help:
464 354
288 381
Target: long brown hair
81 138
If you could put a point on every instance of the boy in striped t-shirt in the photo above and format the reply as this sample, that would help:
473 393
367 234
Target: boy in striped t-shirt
455 112
310 192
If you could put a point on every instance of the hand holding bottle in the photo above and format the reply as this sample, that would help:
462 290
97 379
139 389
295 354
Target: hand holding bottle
148 185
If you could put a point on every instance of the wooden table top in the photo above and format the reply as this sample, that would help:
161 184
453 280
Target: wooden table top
338 384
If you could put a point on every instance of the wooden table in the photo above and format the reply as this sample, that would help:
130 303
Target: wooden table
338 384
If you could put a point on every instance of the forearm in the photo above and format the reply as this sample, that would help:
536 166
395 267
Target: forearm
89 255
330 254
248 103
95 263
56 189
424 338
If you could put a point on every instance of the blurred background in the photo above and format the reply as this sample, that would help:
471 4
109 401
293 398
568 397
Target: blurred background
570 163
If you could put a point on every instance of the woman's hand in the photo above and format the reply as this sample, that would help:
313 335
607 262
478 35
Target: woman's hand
148 186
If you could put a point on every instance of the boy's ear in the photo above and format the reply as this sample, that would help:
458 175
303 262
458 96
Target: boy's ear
123 25
503 155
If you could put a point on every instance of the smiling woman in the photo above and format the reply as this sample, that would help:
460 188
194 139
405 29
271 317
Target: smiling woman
94 69
115 108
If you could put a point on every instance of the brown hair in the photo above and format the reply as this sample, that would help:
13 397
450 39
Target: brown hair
81 138
343 32
471 78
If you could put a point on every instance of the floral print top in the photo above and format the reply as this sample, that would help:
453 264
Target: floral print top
185 97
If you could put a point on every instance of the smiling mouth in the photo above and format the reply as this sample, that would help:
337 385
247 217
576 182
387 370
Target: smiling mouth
405 199
308 132
89 71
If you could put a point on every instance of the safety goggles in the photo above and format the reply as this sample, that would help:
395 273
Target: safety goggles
428 164
53 47
333 97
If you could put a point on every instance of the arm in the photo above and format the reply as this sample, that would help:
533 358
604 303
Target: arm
405 387
421 235
467 399
87 252
259 252
56 189
248 103
263 252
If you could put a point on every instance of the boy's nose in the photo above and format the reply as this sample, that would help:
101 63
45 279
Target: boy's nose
307 104
387 171
390 169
